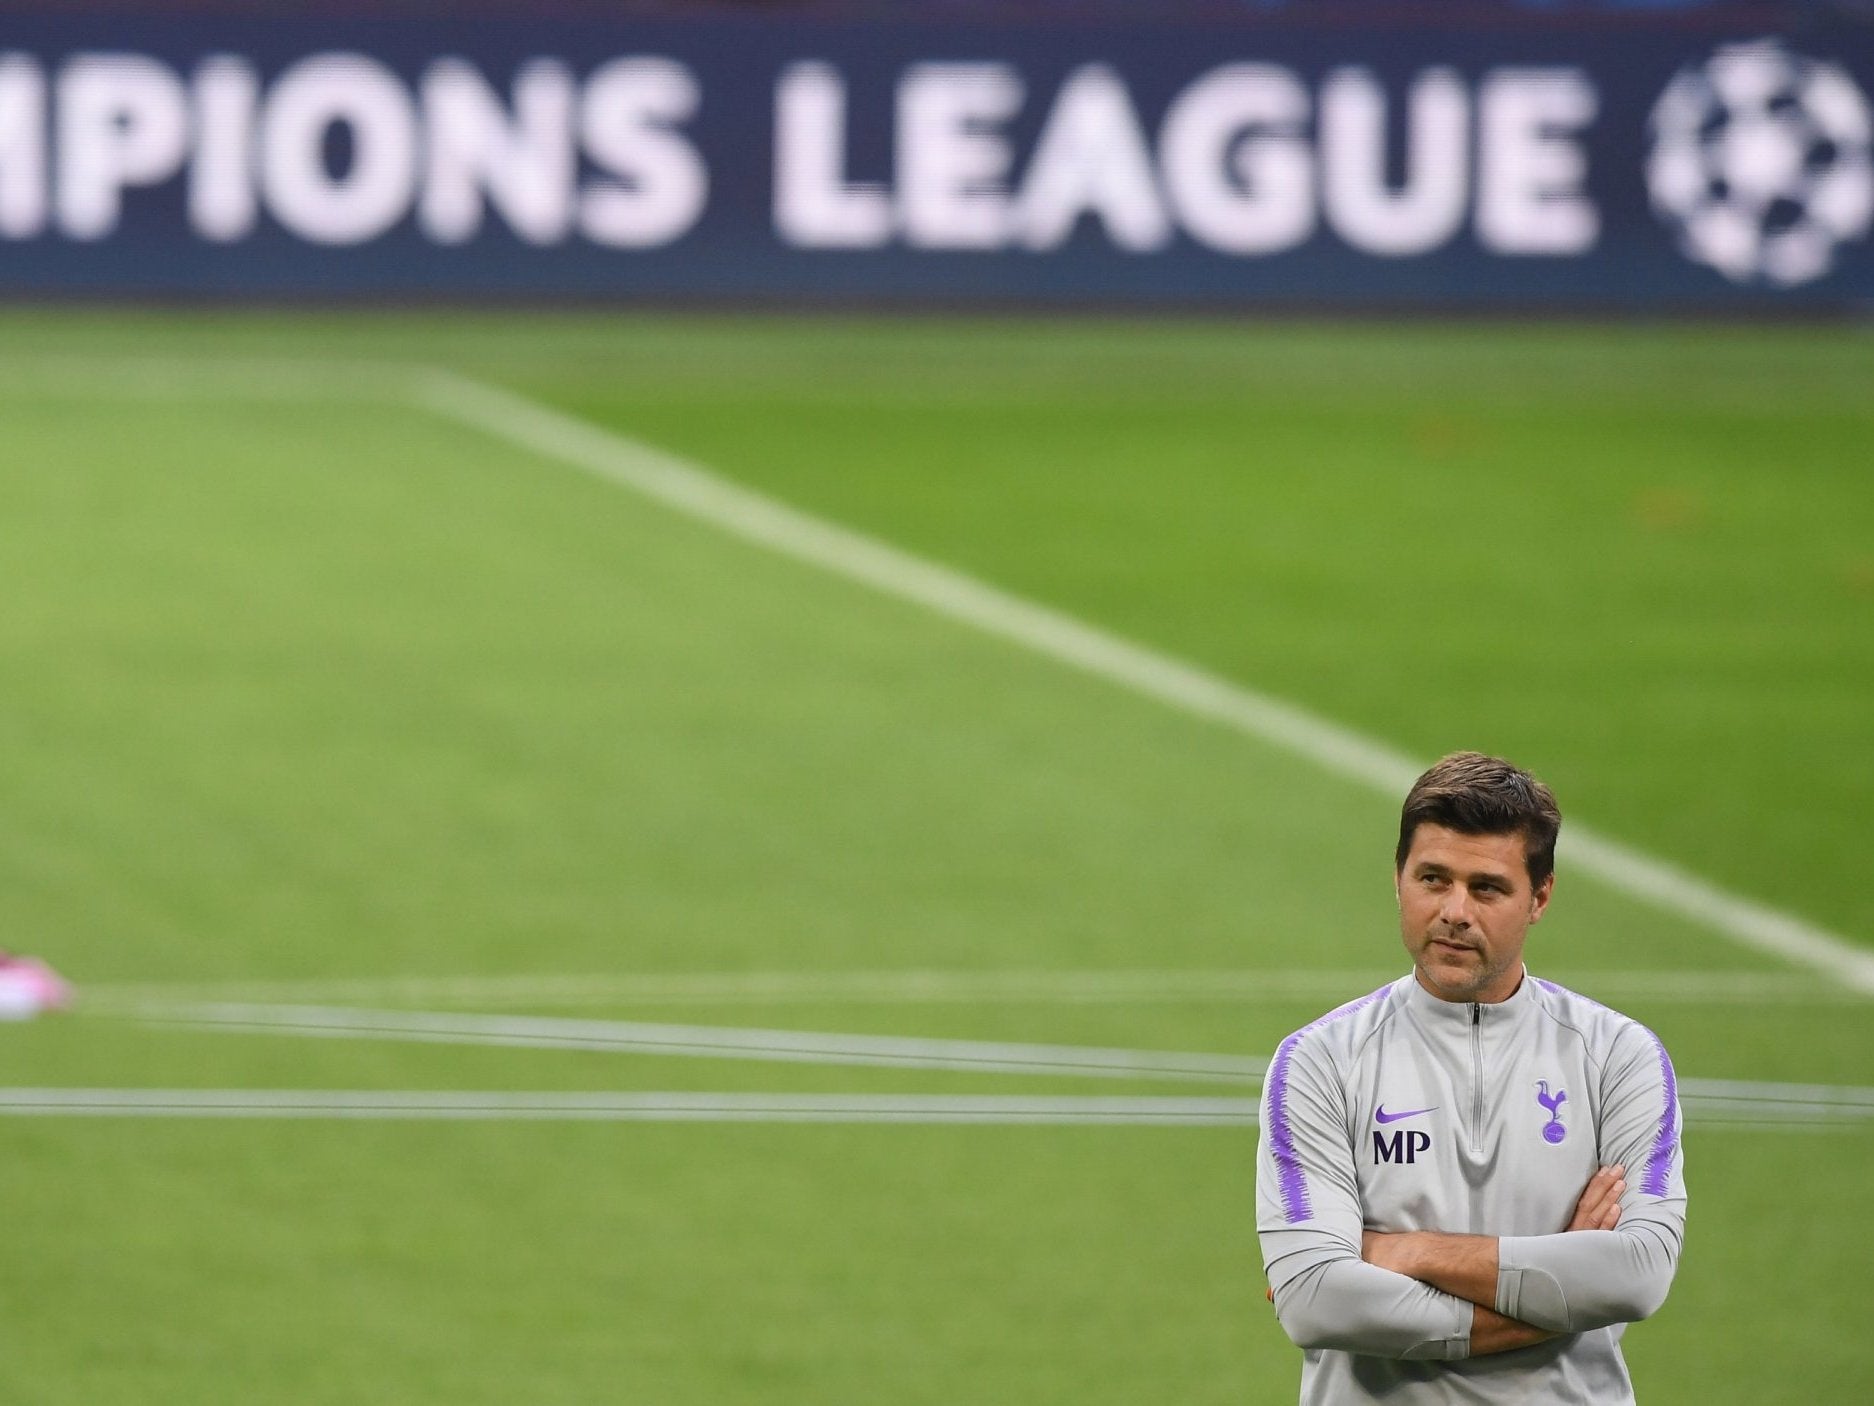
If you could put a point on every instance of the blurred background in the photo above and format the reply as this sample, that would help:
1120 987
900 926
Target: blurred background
687 689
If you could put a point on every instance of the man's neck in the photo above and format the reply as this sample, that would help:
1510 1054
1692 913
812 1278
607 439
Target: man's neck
1490 996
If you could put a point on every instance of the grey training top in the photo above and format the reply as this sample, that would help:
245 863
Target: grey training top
1400 1111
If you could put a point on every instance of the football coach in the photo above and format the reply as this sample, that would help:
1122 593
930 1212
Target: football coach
1469 1181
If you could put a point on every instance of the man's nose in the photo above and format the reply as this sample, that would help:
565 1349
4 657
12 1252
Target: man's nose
1456 910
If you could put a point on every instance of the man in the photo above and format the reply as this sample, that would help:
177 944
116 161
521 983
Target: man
1469 1181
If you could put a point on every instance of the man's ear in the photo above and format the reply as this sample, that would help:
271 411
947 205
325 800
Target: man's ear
1539 902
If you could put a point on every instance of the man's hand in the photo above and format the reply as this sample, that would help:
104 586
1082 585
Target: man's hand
1599 1206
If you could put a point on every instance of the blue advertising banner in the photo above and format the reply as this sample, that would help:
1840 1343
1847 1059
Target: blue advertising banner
747 157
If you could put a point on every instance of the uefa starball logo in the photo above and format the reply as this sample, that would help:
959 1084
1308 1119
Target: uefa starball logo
1763 162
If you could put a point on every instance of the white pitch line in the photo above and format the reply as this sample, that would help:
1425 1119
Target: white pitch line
1745 1099
169 379
689 489
924 986
457 1106
706 497
718 1042
1711 1092
626 1107
774 987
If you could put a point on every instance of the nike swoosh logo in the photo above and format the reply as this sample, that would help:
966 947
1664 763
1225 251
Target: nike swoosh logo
1381 1115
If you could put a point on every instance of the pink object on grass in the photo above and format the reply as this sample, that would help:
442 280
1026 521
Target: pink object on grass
28 986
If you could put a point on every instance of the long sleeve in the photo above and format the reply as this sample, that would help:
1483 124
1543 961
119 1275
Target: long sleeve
1309 1219
1347 1304
1593 1278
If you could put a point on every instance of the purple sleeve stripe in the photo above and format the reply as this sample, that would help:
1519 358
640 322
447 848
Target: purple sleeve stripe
1656 1180
1290 1177
1666 1141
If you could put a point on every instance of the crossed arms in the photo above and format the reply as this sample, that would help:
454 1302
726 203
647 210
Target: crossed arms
1428 1294
1431 1295
1469 1267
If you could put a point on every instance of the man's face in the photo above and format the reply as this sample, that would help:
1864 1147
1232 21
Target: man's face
1465 905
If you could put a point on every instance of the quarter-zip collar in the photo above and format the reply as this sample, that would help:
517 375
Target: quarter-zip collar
1472 1035
1456 1017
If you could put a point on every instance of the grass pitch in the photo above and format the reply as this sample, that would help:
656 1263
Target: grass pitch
300 685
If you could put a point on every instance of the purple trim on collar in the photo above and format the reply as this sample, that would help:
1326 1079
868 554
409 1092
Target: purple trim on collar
1290 1176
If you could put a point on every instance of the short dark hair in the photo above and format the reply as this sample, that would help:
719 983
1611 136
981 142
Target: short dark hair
1479 795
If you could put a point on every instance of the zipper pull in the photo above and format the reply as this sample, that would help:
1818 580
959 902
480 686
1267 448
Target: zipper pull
1477 1013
